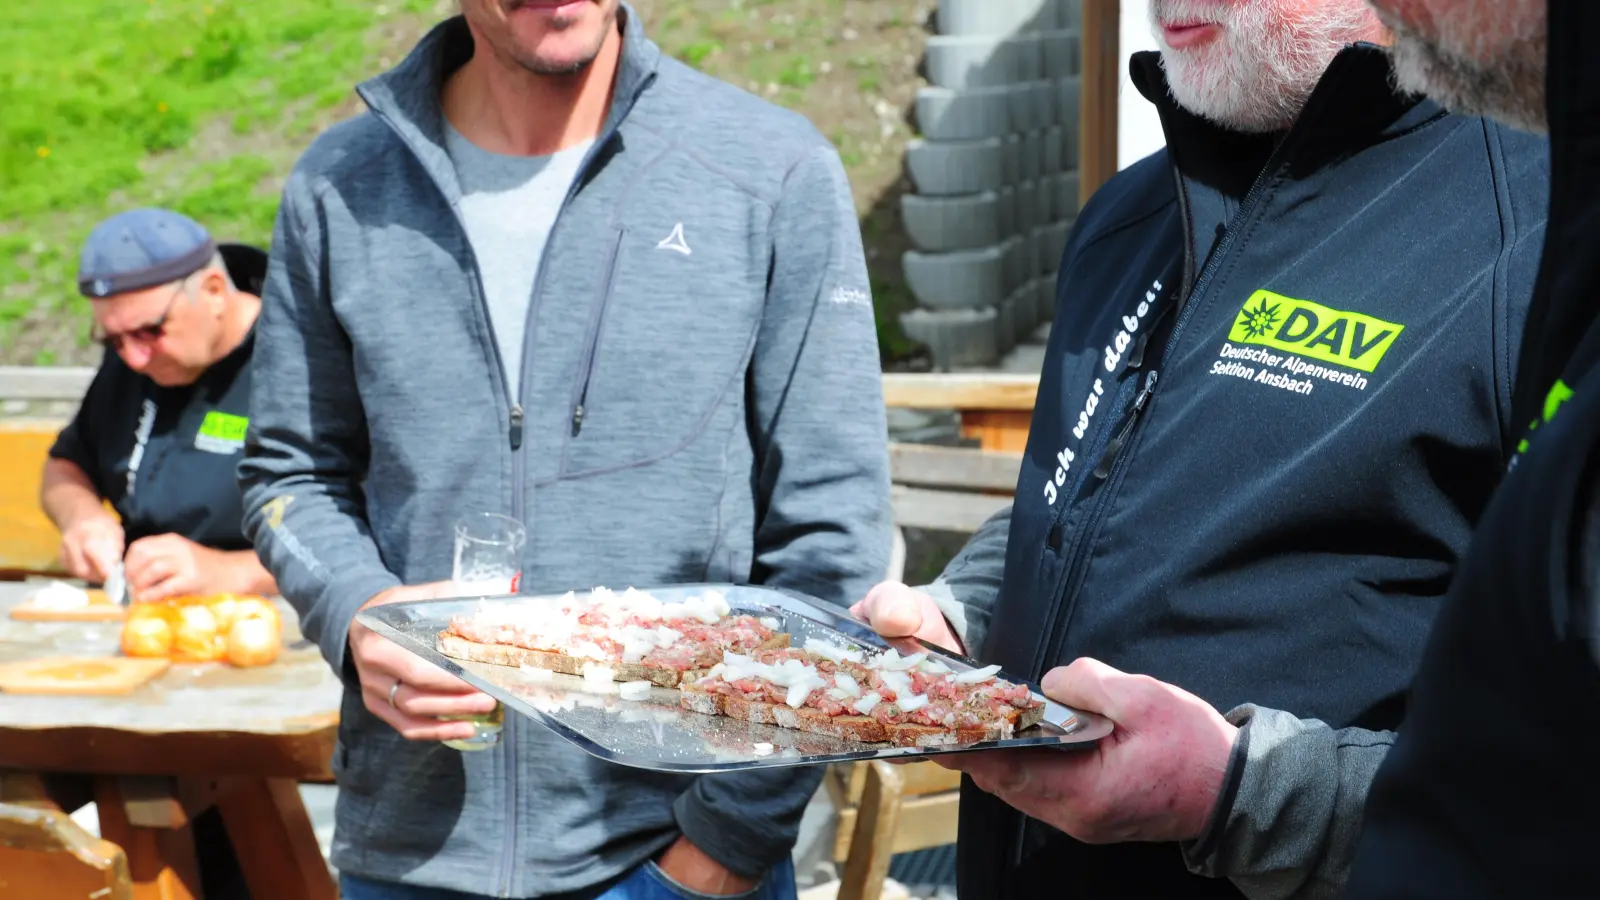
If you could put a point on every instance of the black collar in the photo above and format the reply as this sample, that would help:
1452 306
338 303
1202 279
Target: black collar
1354 106
246 265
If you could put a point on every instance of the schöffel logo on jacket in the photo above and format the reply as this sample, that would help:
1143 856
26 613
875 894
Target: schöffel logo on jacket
1317 343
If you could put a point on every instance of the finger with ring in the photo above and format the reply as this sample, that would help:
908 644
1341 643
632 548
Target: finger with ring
392 689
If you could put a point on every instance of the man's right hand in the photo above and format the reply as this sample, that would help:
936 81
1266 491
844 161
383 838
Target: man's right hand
91 546
895 610
425 690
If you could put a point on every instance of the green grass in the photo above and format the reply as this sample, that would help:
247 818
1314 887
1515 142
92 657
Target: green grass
97 94
203 105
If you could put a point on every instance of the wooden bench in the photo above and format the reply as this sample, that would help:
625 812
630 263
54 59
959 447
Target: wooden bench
44 853
885 809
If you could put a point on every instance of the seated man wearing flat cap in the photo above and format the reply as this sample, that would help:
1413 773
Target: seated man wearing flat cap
160 431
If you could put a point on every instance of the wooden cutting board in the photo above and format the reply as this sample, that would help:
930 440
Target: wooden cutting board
79 675
100 609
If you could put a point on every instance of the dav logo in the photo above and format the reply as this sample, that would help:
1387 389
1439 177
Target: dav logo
222 433
1310 330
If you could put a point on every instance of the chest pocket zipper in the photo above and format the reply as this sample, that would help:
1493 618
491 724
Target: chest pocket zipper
1102 470
580 399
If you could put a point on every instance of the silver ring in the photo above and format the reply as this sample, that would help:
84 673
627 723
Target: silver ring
392 688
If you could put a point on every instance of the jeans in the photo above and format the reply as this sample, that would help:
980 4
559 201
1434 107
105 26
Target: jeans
647 882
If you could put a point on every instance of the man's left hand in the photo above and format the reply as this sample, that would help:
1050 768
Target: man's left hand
1155 778
167 565
690 867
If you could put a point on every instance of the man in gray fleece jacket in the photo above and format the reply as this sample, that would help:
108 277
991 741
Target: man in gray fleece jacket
682 385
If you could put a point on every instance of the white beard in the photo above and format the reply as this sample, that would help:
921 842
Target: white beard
1486 59
1259 72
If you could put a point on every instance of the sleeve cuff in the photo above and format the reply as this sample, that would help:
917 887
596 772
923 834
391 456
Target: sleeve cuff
1200 854
746 827
67 448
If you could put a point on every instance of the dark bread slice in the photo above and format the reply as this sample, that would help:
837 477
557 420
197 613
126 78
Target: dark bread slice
457 647
1013 721
702 701
506 655
760 712
911 734
1027 718
852 728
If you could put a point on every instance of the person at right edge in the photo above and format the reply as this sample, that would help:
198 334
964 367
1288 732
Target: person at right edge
1276 400
557 274
1491 789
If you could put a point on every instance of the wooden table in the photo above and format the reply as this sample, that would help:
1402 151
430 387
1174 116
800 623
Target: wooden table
197 736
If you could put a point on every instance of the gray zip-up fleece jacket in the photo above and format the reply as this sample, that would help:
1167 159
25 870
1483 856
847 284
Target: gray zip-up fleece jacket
709 415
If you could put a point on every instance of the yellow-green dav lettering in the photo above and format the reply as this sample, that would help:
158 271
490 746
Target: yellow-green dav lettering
1312 330
224 427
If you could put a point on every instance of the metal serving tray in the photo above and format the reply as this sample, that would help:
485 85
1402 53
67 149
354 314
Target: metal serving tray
657 733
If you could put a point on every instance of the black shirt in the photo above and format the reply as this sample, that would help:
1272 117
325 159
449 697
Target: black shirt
166 457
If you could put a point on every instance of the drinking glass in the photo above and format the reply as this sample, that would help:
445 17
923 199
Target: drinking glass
488 562
488 557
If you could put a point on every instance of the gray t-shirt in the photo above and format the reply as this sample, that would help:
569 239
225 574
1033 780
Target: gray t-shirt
509 204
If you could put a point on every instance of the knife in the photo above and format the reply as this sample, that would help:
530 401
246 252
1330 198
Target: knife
116 585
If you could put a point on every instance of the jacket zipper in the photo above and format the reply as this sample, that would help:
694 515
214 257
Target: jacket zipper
1113 463
515 438
519 468
581 389
515 424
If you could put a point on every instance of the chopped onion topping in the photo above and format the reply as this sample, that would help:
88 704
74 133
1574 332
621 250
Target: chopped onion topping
634 690
977 676
865 704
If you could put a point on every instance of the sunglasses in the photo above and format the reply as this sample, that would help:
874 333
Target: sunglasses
144 334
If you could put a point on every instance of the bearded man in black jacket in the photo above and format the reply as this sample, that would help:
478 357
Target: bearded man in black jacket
1276 402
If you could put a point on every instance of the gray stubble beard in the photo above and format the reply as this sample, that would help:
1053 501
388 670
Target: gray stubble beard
1509 88
538 67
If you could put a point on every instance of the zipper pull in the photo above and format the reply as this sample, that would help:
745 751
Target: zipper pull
1102 471
516 427
577 419
1136 358
1136 355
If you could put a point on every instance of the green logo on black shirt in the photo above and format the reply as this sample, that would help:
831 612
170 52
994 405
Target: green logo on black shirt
1346 339
221 432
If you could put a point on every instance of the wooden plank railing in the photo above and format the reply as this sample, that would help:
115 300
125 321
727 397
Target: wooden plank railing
995 408
949 488
65 384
